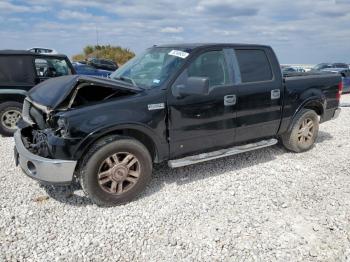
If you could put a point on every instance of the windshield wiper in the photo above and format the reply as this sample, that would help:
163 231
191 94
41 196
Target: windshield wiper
126 79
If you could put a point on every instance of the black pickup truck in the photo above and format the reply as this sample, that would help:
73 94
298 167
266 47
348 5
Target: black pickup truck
178 103
19 72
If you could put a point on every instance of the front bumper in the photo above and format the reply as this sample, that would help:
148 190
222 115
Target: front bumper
49 171
336 113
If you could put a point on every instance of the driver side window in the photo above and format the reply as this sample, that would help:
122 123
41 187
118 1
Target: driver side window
212 65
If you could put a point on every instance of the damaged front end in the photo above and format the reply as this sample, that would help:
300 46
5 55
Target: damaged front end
45 144
42 154
44 133
35 128
45 130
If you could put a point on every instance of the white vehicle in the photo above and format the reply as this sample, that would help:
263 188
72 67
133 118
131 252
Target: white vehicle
42 50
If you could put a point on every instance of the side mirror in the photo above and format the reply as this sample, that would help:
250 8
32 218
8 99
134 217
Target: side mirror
194 86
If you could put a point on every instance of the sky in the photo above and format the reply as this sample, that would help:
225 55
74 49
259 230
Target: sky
300 31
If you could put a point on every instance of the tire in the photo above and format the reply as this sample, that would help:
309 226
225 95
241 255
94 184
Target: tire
303 133
9 112
102 173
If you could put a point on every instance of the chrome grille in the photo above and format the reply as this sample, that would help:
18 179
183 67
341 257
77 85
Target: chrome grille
26 112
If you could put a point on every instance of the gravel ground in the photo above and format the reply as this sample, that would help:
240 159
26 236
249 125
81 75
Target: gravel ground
266 205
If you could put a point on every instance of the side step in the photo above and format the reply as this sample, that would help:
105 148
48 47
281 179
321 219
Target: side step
190 160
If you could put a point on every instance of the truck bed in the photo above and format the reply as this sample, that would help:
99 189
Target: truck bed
345 77
323 85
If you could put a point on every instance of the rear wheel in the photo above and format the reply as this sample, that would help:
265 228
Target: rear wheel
115 171
10 113
303 133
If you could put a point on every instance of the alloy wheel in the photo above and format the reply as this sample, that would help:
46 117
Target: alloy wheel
306 131
119 173
10 118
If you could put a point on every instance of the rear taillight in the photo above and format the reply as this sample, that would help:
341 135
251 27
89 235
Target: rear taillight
340 90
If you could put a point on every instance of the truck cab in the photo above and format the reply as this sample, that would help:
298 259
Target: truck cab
244 99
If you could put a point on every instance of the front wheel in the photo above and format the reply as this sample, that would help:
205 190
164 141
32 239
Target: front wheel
115 171
10 113
303 133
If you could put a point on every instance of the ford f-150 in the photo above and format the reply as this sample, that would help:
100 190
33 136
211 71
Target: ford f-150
183 104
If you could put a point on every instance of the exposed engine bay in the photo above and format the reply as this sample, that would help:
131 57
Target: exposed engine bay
36 142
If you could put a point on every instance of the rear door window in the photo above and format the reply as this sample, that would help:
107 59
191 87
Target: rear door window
16 70
51 67
254 65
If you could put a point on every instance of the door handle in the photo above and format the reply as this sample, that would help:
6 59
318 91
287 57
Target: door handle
230 100
275 94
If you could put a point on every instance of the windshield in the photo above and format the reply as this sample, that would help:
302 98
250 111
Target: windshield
152 68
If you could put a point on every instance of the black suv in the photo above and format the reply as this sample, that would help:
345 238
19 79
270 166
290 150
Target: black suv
19 72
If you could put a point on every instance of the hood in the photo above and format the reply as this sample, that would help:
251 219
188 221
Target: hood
52 92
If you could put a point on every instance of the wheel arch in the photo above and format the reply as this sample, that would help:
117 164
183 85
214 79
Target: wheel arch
316 103
12 97
142 134
312 98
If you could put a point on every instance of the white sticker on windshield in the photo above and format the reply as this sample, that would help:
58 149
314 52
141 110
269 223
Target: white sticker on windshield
156 81
179 53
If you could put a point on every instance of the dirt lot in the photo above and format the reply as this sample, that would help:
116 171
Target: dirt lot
267 205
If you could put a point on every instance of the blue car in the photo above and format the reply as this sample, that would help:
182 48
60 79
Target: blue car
83 69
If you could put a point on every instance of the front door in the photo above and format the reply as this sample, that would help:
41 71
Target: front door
202 123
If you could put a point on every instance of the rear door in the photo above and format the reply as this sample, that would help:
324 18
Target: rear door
259 98
201 123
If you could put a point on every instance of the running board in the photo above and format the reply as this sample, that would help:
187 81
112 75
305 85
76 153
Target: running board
190 160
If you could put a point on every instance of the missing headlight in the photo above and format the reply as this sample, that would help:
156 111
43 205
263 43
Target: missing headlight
62 124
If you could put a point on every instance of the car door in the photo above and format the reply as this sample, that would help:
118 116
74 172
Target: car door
259 98
201 123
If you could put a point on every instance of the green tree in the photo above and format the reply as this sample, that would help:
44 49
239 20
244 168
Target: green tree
117 54
88 50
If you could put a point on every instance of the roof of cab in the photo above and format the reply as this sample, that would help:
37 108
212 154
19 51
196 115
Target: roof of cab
29 53
208 45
